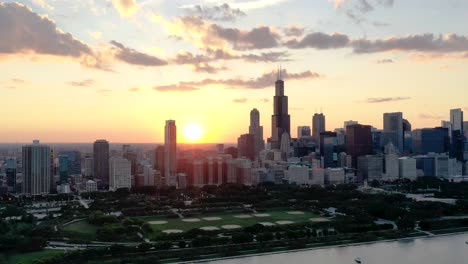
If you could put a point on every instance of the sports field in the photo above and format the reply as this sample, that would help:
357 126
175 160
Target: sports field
225 221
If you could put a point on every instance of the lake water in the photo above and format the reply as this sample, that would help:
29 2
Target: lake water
436 250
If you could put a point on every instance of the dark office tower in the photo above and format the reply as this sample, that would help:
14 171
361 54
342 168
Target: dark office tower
101 162
170 152
393 130
323 136
427 140
318 126
74 161
133 158
231 151
256 130
246 146
10 174
36 169
328 148
358 141
280 120
456 120
159 159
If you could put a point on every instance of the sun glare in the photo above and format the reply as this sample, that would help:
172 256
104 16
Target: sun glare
193 132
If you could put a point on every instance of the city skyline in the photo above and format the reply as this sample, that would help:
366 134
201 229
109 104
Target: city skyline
209 63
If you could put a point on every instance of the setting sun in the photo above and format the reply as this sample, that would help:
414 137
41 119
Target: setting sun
193 132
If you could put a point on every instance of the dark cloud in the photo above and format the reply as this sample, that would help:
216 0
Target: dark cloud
266 56
293 31
364 6
429 116
421 43
215 55
181 87
134 57
320 40
83 83
261 37
264 81
216 13
385 61
206 67
386 99
240 100
22 30
356 10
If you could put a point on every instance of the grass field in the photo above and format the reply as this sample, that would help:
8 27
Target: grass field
229 219
28 258
81 230
272 216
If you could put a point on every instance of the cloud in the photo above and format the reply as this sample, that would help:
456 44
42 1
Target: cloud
386 99
83 83
293 31
356 10
205 67
213 36
421 43
221 12
240 100
429 116
264 100
320 40
125 8
181 87
216 55
134 89
264 81
22 30
18 81
134 57
384 61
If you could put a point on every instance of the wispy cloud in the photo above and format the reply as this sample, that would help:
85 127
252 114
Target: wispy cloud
221 12
83 83
134 89
386 99
132 56
384 61
240 100
181 87
429 116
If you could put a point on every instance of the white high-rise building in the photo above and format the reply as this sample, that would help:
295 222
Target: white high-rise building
298 174
149 175
170 152
391 163
91 186
120 173
36 169
88 168
407 168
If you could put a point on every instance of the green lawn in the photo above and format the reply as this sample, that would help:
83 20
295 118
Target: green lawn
229 219
86 229
28 258
81 230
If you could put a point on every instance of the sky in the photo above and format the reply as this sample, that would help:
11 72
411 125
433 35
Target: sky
76 71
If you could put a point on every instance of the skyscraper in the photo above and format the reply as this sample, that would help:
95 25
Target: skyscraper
318 126
159 159
36 169
393 130
256 130
358 141
303 131
170 152
280 120
120 173
101 162
246 146
456 120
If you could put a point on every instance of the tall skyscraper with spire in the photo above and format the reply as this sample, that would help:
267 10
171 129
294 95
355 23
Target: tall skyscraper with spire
280 120
256 130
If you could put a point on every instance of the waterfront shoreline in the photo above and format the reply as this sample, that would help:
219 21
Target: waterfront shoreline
323 247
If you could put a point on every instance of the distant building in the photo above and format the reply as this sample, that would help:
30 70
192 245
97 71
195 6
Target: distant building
349 123
407 168
358 141
370 167
334 176
10 174
88 169
318 126
393 130
456 120
246 146
120 173
391 164
159 159
101 162
37 175
256 130
428 140
170 152
280 120
91 186
149 176
303 131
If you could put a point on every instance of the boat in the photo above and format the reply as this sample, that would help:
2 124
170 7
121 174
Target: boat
358 260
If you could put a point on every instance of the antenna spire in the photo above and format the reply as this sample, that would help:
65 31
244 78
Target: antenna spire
280 77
